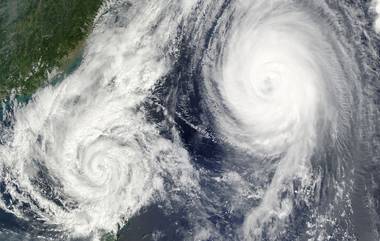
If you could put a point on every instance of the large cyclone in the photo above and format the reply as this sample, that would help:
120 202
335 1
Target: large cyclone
288 87
240 120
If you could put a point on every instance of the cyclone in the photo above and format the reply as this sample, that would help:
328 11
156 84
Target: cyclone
238 120
87 140
285 83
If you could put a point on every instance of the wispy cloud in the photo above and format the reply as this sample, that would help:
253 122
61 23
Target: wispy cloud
376 4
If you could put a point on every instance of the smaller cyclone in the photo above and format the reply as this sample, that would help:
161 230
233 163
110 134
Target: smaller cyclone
82 158
102 168
108 173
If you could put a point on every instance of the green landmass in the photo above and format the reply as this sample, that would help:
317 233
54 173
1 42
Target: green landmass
37 36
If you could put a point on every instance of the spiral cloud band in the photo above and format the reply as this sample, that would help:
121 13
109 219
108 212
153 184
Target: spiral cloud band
259 117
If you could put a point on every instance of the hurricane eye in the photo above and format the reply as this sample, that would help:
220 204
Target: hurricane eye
266 82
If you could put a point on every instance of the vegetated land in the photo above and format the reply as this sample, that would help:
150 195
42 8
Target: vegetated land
37 36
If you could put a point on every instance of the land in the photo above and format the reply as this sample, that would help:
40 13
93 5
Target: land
38 36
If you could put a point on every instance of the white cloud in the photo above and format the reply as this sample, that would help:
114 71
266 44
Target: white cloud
376 4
